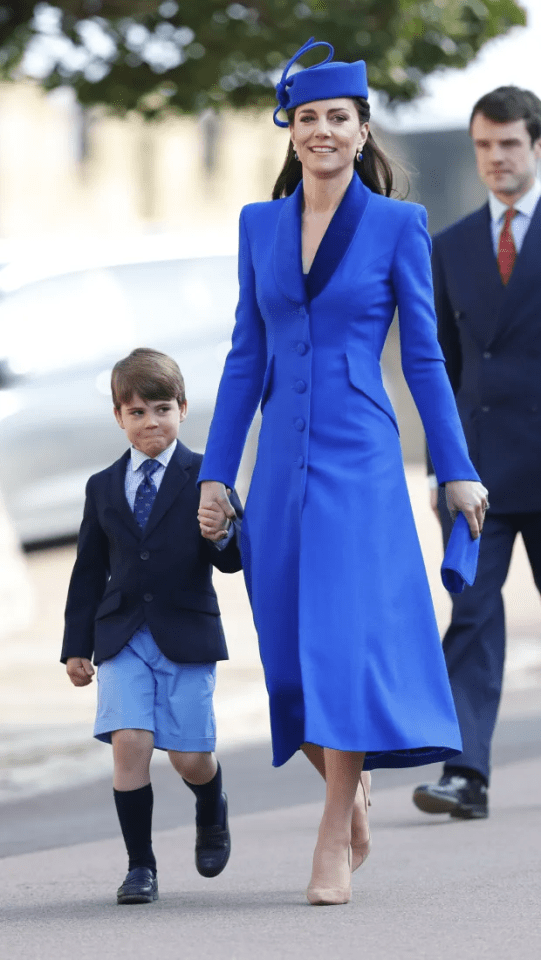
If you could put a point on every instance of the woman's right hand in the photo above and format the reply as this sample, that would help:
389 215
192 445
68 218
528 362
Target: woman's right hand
470 498
215 510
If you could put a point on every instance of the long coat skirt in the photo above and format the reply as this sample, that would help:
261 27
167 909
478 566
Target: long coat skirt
336 579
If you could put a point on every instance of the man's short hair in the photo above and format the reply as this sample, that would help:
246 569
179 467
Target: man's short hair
150 374
506 104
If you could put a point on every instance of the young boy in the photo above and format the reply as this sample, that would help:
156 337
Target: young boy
141 602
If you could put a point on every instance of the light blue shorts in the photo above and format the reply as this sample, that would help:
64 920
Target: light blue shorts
140 689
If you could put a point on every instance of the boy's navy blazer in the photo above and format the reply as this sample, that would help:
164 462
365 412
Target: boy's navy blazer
162 575
491 338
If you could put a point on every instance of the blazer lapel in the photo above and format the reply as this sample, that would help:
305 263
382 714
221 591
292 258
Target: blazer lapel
174 479
338 236
487 289
524 278
287 248
118 494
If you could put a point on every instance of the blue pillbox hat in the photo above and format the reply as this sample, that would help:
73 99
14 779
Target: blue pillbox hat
324 81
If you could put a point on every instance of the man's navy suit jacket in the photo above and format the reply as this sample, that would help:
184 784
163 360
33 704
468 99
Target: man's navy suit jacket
162 575
491 338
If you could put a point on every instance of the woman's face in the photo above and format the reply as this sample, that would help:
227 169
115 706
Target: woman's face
326 135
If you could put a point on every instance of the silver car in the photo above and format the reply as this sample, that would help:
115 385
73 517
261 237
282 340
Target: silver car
62 330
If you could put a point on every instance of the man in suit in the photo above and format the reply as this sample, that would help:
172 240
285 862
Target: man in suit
141 602
487 285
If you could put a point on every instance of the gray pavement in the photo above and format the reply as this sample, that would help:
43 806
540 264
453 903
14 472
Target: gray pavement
431 887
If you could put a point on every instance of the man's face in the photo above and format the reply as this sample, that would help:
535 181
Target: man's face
506 158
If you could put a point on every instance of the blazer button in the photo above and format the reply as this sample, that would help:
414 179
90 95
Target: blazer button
300 386
147 597
300 424
144 554
487 355
485 409
302 348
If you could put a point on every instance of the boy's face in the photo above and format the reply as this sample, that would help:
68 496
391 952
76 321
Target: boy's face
151 425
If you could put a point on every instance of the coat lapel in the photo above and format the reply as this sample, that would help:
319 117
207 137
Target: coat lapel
118 494
174 479
524 278
477 250
338 236
288 250
332 249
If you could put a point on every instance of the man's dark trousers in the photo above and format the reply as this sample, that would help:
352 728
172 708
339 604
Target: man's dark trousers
474 644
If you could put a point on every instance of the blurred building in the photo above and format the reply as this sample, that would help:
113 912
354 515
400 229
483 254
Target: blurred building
65 172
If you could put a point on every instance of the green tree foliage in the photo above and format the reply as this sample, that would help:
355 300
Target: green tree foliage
155 55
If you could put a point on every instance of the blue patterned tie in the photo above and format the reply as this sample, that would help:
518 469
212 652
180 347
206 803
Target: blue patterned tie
146 492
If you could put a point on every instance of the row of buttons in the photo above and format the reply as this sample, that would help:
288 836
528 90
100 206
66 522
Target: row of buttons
300 387
147 597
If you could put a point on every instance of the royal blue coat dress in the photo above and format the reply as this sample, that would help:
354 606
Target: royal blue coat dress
333 566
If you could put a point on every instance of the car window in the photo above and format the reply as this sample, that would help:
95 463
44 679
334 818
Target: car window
80 317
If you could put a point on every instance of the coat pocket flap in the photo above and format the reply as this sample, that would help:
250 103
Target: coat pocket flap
363 379
109 604
202 602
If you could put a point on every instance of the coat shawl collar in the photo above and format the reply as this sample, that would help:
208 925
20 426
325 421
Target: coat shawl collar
174 479
332 249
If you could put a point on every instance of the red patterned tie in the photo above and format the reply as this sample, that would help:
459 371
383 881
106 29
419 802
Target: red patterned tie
507 252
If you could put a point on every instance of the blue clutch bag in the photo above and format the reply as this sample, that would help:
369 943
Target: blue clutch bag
459 565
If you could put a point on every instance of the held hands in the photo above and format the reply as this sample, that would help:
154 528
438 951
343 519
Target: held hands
215 510
470 498
80 671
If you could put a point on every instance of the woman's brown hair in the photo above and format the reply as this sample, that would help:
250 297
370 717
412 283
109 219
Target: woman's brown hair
374 169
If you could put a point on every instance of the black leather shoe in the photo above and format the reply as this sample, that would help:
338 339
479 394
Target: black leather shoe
140 886
213 846
465 797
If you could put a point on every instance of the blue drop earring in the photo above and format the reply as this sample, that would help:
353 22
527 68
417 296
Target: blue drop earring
359 156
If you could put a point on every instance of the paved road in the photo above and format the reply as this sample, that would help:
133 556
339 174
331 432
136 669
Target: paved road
431 888
81 814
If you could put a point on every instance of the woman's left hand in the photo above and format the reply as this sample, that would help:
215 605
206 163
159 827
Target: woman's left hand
470 498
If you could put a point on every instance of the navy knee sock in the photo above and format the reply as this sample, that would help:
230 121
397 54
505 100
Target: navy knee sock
209 806
134 808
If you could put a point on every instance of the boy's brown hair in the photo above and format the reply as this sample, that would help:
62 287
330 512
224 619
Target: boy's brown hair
150 374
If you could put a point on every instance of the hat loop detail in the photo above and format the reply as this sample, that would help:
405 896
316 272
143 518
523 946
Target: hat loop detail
282 94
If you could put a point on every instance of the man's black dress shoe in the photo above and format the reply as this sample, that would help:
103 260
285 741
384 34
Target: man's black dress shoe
465 797
213 846
140 886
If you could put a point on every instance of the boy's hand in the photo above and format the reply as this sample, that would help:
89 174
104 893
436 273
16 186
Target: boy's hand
80 671
215 510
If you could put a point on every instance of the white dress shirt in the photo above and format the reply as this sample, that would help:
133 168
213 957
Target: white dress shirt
524 206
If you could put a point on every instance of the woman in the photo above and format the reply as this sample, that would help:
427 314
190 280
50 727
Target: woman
346 627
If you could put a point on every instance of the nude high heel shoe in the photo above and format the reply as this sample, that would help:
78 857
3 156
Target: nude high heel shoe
361 849
339 893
